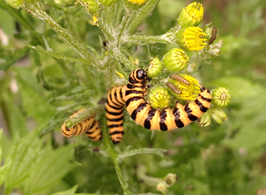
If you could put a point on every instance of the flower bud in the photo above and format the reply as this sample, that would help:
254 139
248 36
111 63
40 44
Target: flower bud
175 60
159 97
191 15
218 115
188 86
191 38
137 1
221 97
20 3
170 179
92 8
155 67
205 119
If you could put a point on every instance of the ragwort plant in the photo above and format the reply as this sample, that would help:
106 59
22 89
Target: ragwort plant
80 77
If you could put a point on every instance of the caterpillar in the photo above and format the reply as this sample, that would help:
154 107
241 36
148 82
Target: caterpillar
173 88
180 79
114 107
214 34
89 126
142 113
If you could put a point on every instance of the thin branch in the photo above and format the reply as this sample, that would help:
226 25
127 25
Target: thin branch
36 11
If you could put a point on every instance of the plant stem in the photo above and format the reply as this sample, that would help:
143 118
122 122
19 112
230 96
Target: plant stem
145 40
83 115
113 155
141 15
36 11
121 58
105 24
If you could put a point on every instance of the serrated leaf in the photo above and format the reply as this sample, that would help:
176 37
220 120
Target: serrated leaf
46 172
71 191
8 58
23 154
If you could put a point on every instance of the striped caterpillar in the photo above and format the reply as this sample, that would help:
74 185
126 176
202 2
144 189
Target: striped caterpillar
89 126
168 119
114 107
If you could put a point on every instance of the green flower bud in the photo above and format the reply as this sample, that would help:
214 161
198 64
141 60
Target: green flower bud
155 67
191 38
137 1
218 115
159 97
20 3
221 97
170 179
205 119
92 8
191 15
175 60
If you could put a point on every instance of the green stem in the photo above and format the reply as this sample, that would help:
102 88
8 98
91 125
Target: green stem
105 24
121 58
145 40
36 11
141 15
113 155
83 115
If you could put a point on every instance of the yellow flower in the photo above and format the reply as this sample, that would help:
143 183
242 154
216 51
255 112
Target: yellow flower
191 38
187 86
137 1
191 15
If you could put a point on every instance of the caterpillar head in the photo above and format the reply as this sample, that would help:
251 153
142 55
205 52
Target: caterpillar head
141 74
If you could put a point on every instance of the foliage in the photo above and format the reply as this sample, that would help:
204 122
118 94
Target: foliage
53 62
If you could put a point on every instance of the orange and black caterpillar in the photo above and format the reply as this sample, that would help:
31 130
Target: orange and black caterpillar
142 113
114 107
89 126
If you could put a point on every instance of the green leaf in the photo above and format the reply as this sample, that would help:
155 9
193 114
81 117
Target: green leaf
251 98
30 90
71 191
23 154
8 58
15 118
49 170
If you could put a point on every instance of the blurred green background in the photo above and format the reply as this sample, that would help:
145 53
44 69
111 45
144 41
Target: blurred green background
38 92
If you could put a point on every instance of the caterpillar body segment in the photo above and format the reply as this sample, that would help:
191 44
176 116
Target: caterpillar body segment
89 126
173 88
167 119
214 35
180 79
114 107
